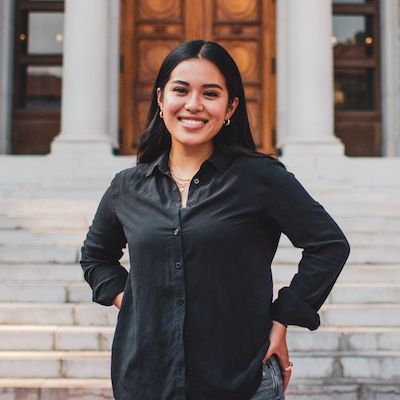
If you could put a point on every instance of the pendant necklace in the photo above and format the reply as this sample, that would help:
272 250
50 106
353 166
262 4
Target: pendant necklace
180 182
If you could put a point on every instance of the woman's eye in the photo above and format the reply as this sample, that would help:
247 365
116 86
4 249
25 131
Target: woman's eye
211 94
179 89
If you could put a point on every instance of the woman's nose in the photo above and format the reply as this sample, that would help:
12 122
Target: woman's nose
194 103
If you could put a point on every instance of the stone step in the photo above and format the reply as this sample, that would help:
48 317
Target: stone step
55 364
344 339
38 254
33 238
14 237
100 389
52 337
359 240
352 273
96 364
48 207
41 272
386 315
99 338
338 204
60 222
380 365
358 255
349 209
342 389
45 292
55 389
372 223
365 293
57 314
12 254
80 292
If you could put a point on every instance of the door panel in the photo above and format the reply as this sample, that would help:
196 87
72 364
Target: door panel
151 29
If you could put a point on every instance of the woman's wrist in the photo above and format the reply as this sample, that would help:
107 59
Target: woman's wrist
118 299
279 325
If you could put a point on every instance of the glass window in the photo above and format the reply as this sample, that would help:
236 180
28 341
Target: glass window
45 33
355 33
43 87
354 90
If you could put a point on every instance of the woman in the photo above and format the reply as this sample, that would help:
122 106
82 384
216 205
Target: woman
202 214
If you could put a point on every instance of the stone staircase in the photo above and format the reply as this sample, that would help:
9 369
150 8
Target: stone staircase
55 343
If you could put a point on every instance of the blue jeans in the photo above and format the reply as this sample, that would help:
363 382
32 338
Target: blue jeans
271 387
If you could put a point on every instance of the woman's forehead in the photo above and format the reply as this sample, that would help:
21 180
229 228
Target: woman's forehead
197 71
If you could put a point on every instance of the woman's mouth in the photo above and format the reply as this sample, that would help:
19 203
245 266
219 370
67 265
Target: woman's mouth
192 122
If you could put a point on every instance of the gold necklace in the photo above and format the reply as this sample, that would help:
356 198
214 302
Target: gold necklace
181 186
180 182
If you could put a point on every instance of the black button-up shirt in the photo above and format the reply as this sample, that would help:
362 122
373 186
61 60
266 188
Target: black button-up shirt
197 308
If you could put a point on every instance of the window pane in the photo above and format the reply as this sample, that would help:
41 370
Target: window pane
354 90
43 87
45 33
353 36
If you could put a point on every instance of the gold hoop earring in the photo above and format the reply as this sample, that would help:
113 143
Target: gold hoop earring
227 122
161 114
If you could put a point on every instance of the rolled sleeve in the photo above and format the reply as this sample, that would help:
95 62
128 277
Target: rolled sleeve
102 251
325 249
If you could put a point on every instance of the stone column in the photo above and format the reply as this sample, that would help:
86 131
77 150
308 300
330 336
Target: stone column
6 76
309 80
390 69
84 112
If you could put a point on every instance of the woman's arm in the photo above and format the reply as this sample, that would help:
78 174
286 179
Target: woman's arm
102 250
308 226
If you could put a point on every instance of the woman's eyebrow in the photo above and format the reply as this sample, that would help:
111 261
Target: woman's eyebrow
206 85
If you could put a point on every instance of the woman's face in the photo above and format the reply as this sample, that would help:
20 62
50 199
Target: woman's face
194 103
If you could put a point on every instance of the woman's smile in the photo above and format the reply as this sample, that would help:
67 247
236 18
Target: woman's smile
192 123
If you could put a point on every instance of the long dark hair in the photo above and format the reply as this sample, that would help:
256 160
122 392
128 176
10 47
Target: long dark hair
233 139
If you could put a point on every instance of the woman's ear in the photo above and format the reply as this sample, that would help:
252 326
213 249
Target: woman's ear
232 108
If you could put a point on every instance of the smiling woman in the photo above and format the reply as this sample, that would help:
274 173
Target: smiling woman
202 213
195 106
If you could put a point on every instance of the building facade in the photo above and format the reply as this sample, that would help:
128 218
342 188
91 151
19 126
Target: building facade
319 73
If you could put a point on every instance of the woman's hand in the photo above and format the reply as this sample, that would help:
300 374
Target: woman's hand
118 300
278 346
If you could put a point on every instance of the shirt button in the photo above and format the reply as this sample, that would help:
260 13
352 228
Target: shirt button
176 232
185 335
178 265
180 301
196 181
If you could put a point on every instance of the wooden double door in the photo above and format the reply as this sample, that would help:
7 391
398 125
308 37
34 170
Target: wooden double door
150 29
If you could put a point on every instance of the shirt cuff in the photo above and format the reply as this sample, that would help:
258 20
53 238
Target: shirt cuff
106 292
289 309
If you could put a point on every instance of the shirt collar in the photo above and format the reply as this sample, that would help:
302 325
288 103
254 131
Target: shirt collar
218 158
161 162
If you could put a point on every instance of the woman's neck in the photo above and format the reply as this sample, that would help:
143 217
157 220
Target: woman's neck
186 161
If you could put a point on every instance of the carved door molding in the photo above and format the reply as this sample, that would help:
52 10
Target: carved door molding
150 29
